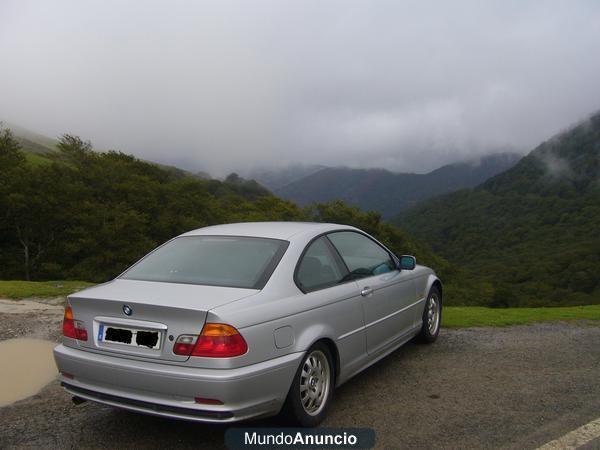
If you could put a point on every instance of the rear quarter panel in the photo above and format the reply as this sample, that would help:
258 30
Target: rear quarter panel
335 314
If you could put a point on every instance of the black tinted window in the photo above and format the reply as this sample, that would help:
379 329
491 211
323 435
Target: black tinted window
318 268
244 262
362 256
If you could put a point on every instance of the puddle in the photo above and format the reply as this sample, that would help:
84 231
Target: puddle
26 366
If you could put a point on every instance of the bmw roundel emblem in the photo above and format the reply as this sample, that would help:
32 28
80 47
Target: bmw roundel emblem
127 310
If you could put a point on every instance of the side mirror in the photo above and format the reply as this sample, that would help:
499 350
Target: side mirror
407 262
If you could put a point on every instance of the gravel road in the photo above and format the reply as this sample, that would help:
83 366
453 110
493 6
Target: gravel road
515 387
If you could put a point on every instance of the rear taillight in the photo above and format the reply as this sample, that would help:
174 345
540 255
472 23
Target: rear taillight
216 340
72 328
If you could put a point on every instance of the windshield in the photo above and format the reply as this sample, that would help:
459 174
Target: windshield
231 261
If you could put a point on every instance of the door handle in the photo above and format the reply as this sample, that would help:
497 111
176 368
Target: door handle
366 291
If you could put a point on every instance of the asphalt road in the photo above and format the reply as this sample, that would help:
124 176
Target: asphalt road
516 387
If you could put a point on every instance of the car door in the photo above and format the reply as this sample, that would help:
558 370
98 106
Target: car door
320 274
387 293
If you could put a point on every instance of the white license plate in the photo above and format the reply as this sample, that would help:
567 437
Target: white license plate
115 334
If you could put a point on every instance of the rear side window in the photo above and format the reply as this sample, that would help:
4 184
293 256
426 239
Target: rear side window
318 268
232 261
362 256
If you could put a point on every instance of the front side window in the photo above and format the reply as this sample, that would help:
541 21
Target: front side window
318 268
362 256
231 261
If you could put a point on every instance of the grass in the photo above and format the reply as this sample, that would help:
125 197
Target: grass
37 160
453 317
23 289
477 316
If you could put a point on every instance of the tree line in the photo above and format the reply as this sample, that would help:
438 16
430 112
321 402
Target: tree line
88 215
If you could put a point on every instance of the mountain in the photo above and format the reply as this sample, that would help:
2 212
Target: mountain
530 235
31 141
278 178
389 192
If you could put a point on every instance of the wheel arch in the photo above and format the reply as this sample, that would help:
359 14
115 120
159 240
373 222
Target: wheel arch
335 355
318 334
433 281
438 284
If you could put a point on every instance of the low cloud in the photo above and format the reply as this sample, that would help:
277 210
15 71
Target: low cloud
235 85
556 166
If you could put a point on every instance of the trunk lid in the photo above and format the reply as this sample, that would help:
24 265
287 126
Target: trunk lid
156 309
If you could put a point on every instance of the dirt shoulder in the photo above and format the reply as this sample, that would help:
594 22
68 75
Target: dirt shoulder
514 387
35 318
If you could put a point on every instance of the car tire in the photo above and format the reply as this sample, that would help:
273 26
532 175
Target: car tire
432 317
311 392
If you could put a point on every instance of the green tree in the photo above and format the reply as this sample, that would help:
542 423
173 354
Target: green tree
89 214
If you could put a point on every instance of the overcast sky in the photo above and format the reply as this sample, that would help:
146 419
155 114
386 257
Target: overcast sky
228 85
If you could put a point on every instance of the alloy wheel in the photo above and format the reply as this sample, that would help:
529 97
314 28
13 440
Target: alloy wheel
433 314
315 380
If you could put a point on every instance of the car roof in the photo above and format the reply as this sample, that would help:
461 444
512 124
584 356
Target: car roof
273 230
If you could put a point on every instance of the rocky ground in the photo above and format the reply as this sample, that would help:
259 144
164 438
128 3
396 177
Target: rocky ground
516 387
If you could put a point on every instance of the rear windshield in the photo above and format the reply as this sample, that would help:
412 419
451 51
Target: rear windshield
232 261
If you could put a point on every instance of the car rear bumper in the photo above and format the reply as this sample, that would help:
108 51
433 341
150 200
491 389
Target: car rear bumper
169 390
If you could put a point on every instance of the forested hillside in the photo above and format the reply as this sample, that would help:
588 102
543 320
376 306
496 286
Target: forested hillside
529 236
82 214
385 191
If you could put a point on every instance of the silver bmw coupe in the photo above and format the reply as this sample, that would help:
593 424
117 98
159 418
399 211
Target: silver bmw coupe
229 322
